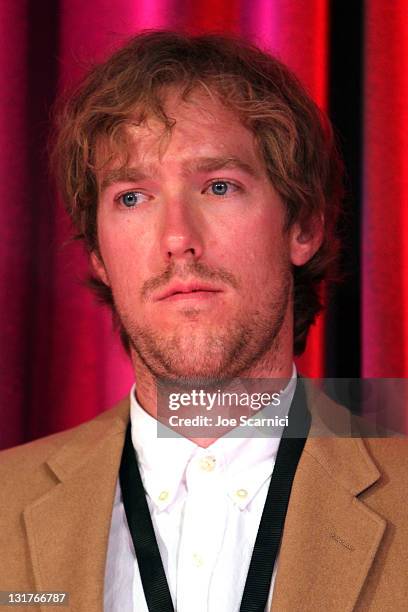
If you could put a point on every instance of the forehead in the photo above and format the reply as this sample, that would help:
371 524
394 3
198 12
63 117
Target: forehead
198 127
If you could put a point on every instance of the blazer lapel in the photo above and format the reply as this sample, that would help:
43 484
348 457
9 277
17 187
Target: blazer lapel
68 527
330 537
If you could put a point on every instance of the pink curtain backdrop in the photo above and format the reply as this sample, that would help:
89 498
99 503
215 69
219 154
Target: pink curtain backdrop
60 361
384 242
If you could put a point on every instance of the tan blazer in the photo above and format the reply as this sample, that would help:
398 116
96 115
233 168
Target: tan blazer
345 540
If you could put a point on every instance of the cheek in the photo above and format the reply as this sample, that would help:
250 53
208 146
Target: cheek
122 254
258 250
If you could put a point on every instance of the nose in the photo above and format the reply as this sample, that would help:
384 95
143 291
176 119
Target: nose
181 232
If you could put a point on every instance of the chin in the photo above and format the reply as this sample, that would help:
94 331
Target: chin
197 370
186 357
194 364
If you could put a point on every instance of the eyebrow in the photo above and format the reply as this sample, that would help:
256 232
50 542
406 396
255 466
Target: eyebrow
201 164
211 164
122 175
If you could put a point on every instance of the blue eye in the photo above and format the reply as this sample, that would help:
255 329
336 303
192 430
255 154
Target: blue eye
131 199
219 188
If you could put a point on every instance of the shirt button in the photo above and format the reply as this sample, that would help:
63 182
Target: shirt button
241 493
207 463
163 495
198 561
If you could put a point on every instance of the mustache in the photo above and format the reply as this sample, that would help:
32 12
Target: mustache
198 270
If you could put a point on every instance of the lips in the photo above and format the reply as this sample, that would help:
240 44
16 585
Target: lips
187 290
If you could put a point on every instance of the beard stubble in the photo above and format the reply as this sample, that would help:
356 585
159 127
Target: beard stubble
215 354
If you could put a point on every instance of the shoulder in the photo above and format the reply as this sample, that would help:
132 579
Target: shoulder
344 440
391 456
29 457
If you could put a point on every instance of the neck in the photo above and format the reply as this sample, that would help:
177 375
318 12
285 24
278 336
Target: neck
274 370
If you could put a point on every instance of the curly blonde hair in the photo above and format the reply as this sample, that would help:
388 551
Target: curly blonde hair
294 137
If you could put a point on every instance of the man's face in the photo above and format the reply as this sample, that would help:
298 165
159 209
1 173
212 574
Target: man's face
192 244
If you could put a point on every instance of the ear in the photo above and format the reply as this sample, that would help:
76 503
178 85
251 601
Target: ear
305 242
99 268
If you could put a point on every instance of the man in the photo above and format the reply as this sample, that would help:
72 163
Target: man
206 185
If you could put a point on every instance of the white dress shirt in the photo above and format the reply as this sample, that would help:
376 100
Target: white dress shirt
206 505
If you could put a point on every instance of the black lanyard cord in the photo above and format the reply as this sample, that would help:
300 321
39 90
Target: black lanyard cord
137 511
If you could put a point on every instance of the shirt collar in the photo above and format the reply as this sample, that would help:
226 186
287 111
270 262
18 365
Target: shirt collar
162 461
244 463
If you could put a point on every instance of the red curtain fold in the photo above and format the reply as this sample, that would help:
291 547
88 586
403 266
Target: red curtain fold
15 221
385 207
